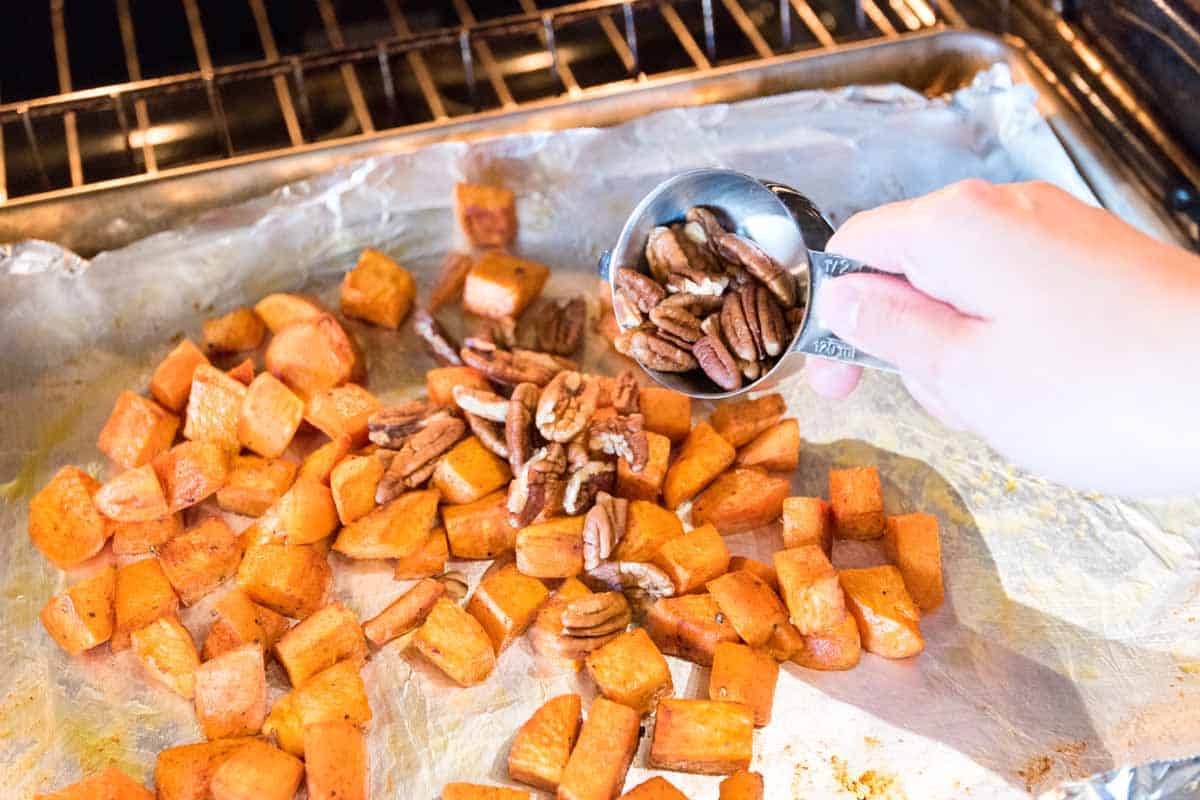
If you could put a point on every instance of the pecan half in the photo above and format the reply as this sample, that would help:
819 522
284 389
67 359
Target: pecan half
638 289
677 321
663 254
518 424
751 370
621 436
490 433
699 256
697 304
657 353
586 483
736 329
646 577
703 227
772 326
748 295
596 615
481 403
718 364
625 311
537 488
455 583
437 342
747 253
560 326
603 528
419 453
566 406
517 366
390 427
501 332
626 397
707 283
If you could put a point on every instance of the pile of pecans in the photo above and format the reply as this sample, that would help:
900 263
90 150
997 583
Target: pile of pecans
714 301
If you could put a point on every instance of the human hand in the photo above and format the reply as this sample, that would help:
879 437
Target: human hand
1061 335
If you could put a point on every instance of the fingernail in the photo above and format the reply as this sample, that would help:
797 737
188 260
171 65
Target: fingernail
838 307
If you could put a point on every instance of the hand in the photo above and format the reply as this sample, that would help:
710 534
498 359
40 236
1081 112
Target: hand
1064 337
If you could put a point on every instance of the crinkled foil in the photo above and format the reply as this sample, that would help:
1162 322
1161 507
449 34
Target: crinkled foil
1069 643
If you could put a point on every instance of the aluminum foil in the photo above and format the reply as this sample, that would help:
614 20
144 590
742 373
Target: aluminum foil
1068 644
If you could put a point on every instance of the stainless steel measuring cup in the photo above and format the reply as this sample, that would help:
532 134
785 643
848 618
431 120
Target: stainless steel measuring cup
785 223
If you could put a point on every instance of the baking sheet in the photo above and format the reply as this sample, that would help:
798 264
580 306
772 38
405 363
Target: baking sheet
1068 643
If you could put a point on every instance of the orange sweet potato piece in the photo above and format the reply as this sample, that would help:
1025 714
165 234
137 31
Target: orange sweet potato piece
378 290
741 500
709 737
487 214
450 279
480 529
765 572
551 549
255 484
134 495
335 761
500 285
82 617
476 791
739 421
543 745
809 584
785 641
603 753
703 457
305 514
353 483
328 636
240 329
648 527
454 642
647 484
742 674
172 378
440 383
289 579
241 621
336 693
243 373
632 671
694 559
405 614
185 772
749 605
505 603
394 530
427 561
64 523
856 498
666 412
269 416
192 471
231 693
133 538
320 463
168 654
214 407
313 355
278 311
342 411
912 544
200 560
143 594
111 784
808 520
776 449
137 430
689 627
837 648
470 472
257 771
654 789
742 785
888 619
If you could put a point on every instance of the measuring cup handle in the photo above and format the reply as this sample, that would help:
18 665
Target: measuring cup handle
818 340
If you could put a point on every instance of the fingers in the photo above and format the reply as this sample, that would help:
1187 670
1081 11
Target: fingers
831 379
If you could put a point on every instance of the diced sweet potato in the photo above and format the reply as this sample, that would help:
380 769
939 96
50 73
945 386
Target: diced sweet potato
243 373
353 483
741 500
241 621
631 670
808 520
168 654
505 603
543 745
648 527
185 772
703 457
240 329
426 561
500 285
137 430
289 579
689 627
64 523
172 378
342 411
784 642
742 785
603 753
257 771
200 560
888 619
278 311
480 529
143 594
336 693
450 280
405 614
470 472
111 784
666 412
694 559
856 499
487 214
440 383
475 791
765 572
809 585
313 355
745 675
647 484
739 421
134 495
546 634
378 290
551 549
335 761
269 416
709 737
654 789
835 649
214 407
328 636
305 514
750 606
912 544
255 484
231 693
82 617
133 538
320 463
454 642
776 449
394 530
192 471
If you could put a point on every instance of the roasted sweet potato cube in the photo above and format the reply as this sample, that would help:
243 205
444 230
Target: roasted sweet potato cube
856 499
231 693
543 745
689 627
137 430
476 791
808 520
305 514
172 379
440 383
647 484
168 654
912 544
111 784
134 495
82 617
214 407
739 421
405 614
709 737
257 771
313 355
749 604
741 500
500 285
449 283
394 530
809 585
603 753
320 463
632 671
888 619
133 538
703 457
330 635
666 412
470 472
64 523
454 642
353 483
765 572
742 785
192 471
289 579
255 484
785 641
278 311
837 648
546 634
378 290
654 789
185 772
335 761
480 529
487 214
143 594
426 561
776 449
336 693
742 674
648 527
243 373
240 329
694 559
269 416
551 549
200 560
342 411
241 621
505 603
